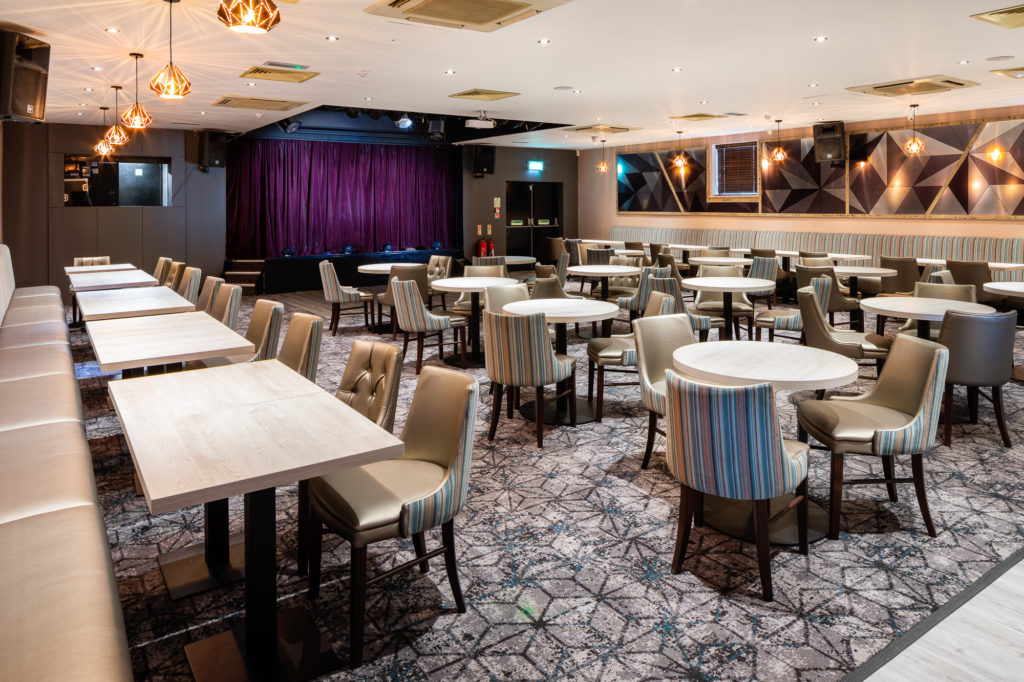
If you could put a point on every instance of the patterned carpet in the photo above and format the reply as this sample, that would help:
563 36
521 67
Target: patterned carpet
564 556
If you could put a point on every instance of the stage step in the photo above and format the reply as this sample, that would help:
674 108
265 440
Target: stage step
243 272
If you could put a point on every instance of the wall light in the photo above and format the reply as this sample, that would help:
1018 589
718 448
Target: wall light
535 166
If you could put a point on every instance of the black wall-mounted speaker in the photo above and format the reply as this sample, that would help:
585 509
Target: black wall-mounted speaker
858 147
24 65
207 149
830 142
483 160
435 128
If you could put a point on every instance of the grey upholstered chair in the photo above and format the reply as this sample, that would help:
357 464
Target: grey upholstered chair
953 292
837 302
818 333
977 273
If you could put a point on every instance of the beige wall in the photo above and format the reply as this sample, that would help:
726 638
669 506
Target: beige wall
598 204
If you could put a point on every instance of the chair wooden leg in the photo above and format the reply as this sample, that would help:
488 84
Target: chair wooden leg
590 380
444 303
652 426
764 555
686 498
997 405
771 335
462 346
572 400
511 400
440 345
917 464
419 543
419 352
889 469
540 416
405 344
302 550
366 314
947 416
335 317
972 403
880 325
836 501
757 334
599 409
394 325
448 538
495 409
357 606
801 516
703 334
315 533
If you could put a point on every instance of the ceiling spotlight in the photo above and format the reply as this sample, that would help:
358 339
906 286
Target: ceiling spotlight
405 122
820 39
543 41
332 38
82 104
289 126
676 69
80 113
577 92
202 113
449 72
961 62
812 85
815 104
367 99
96 68
703 101
112 29
87 89
251 84
259 114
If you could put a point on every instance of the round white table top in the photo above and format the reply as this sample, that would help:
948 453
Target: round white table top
604 270
520 260
1008 288
778 252
1006 266
629 252
471 284
565 310
687 247
862 271
786 366
720 260
921 308
730 284
600 241
378 268
849 256
932 261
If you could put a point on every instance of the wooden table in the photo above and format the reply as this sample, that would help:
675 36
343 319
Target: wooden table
603 272
244 430
720 260
924 310
788 367
561 312
113 267
116 279
136 342
106 304
727 286
474 286
1008 289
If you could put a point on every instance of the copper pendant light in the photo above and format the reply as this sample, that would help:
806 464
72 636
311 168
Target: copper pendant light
136 117
603 166
170 82
778 154
103 148
915 145
249 16
116 134
680 160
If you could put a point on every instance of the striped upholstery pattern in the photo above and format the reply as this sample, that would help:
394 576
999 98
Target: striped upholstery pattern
209 292
225 304
492 260
638 301
727 441
188 288
334 292
301 347
822 287
265 328
573 247
599 256
410 312
160 271
919 435
763 268
519 352
562 267
92 260
444 503
670 285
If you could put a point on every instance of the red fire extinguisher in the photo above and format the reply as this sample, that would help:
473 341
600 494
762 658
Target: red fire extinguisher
490 242
481 243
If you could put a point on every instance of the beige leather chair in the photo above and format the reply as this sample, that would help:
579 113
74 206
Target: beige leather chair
495 298
980 354
264 331
900 285
163 264
464 304
837 302
174 273
92 260
417 273
369 385
188 287
225 305
404 497
953 292
811 254
301 347
656 339
715 252
941 277
625 286
208 293
438 267
976 273
821 261
818 333
712 302
492 260
898 416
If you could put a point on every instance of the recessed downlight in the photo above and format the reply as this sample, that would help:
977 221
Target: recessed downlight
820 39
367 99
703 101
449 72
96 68
332 38
961 62
87 89
577 92
812 85
202 113
112 29
676 69
251 84
544 41
815 104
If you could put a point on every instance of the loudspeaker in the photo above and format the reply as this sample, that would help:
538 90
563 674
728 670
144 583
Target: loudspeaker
858 147
24 64
830 142
483 160
207 149
436 130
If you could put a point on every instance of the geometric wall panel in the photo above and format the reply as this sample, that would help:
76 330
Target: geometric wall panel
642 185
800 184
690 183
991 180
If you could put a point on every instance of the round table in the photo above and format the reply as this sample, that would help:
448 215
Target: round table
720 260
1008 289
849 256
853 272
561 312
629 252
999 267
941 262
474 286
924 310
787 367
727 286
603 272
520 260
379 268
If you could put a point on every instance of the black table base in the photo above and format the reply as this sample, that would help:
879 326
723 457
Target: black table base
735 518
557 415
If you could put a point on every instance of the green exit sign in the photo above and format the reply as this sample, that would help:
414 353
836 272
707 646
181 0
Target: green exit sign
535 165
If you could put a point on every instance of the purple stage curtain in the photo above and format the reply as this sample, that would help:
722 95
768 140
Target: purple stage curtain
320 196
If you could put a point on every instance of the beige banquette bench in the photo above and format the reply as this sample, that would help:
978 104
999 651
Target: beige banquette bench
60 617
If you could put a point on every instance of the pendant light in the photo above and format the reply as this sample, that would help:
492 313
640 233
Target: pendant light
778 154
249 16
137 116
915 145
170 82
603 166
103 148
116 134
680 160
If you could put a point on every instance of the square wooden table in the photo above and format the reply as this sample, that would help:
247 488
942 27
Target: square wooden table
135 342
112 267
243 430
108 304
116 279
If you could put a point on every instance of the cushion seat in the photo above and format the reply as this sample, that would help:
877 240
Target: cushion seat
32 315
40 301
32 361
39 400
34 334
609 350
739 308
847 425
44 290
873 345
768 317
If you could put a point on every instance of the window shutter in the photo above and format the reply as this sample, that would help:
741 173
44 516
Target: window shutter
737 168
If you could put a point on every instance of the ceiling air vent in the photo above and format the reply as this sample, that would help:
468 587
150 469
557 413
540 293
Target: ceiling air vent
697 117
484 95
602 130
284 75
1009 17
475 15
914 86
265 103
1015 72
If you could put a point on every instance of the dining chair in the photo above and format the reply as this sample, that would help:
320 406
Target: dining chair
788 319
837 302
812 254
667 260
163 264
941 277
404 272
520 355
464 304
599 255
637 303
701 324
492 260
556 247
621 285
369 385
414 318
712 301
762 268
821 261
300 349
226 303
898 416
174 273
784 279
438 267
656 339
952 292
727 441
977 274
208 293
715 252
336 294
656 250
900 285
92 260
495 298
264 332
573 247
405 497
818 333
980 354
551 287
188 287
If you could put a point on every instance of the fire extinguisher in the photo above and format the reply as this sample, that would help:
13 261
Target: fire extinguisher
481 243
490 242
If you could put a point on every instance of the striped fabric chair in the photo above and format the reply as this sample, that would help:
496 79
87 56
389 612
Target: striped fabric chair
764 268
898 416
415 273
837 302
573 247
557 270
209 292
300 349
414 318
174 273
225 304
163 264
336 295
425 488
492 260
92 260
726 441
656 339
637 303
438 267
519 355
264 332
702 324
188 287
788 319
818 333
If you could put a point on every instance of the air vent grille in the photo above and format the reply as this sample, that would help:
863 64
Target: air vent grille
484 95
263 103
267 73
1009 17
475 15
914 86
1015 72
602 129
697 117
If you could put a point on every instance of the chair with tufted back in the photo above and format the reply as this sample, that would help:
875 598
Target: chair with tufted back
209 292
174 273
300 349
188 287
414 318
226 303
336 294
92 260
438 267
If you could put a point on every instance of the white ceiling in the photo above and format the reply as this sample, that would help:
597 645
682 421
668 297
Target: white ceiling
757 58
